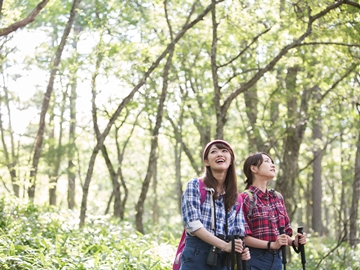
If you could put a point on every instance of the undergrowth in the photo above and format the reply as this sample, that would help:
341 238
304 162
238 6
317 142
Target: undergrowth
41 237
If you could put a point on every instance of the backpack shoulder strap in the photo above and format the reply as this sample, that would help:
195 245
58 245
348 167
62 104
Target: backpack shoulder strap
239 203
276 193
202 191
252 197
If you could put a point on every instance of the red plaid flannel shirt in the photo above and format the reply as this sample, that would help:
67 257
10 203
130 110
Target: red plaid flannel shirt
268 215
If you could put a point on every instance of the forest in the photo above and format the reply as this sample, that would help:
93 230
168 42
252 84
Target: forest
106 106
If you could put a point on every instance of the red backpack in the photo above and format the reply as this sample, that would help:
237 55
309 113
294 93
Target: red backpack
177 261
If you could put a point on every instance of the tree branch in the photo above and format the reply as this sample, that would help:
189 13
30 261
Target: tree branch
244 87
24 22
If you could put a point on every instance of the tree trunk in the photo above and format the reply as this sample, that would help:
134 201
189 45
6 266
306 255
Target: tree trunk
342 225
221 110
125 101
119 204
354 239
51 159
57 150
71 169
155 208
10 158
178 149
296 125
308 205
154 144
46 100
316 180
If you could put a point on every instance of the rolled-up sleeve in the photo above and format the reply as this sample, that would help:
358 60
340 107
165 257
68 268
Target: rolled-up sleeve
240 223
190 207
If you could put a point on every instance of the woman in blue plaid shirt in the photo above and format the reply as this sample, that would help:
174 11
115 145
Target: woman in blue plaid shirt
209 224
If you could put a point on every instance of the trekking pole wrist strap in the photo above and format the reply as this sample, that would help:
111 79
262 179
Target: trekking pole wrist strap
294 247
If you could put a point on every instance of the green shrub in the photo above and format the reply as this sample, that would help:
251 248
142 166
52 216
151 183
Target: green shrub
41 237
37 237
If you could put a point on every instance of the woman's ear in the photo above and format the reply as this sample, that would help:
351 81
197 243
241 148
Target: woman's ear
253 169
206 162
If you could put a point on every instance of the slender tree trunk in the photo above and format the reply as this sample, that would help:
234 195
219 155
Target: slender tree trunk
155 208
57 151
125 101
153 151
308 205
342 225
51 158
221 110
71 169
354 238
296 125
46 100
178 148
109 165
316 180
10 158
119 204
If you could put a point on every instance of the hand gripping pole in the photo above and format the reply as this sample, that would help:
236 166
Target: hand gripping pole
283 248
302 249
244 266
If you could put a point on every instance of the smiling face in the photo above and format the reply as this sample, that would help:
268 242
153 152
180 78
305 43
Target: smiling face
219 159
266 169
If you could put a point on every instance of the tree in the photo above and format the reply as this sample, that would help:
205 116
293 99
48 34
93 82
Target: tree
316 180
356 191
29 19
11 157
151 169
46 100
188 25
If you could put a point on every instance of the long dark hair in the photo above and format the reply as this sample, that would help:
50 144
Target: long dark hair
253 160
230 185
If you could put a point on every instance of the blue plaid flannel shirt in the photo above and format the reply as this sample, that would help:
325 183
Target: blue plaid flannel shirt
196 215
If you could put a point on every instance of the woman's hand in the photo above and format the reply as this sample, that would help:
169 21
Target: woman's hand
238 246
300 237
245 256
281 240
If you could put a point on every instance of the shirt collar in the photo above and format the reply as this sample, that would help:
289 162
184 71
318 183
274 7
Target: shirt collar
259 193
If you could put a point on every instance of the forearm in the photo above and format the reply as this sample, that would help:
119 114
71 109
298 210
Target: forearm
290 242
255 243
207 237
263 244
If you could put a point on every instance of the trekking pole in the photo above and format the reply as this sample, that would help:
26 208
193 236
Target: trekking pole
238 257
243 262
302 249
283 248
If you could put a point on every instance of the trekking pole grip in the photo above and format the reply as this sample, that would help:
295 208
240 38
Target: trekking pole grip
301 248
283 248
243 262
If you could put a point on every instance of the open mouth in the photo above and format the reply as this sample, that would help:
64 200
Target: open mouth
220 161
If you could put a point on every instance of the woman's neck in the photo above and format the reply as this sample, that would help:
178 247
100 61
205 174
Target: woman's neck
260 184
220 177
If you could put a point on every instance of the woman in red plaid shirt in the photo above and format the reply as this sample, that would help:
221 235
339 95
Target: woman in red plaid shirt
265 212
